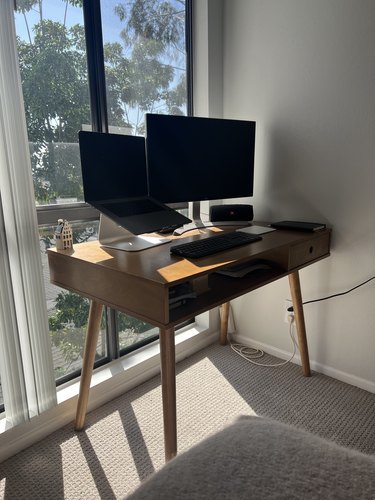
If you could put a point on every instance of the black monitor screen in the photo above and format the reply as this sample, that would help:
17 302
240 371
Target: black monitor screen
195 159
113 166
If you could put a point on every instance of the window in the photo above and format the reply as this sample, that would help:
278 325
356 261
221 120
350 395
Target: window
145 61
144 69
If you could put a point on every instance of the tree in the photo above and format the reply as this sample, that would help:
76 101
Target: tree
154 37
54 81
68 325
145 71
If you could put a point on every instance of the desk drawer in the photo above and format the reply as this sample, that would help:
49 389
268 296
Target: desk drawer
308 251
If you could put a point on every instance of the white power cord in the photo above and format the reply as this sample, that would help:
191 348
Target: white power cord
251 353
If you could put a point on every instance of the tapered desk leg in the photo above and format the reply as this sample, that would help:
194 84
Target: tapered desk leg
295 290
93 328
168 385
224 317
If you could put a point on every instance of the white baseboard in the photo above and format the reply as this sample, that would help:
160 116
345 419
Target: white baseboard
348 378
109 382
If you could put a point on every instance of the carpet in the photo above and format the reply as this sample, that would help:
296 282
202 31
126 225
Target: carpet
122 442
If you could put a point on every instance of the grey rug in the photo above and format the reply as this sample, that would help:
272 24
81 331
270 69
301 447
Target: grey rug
123 440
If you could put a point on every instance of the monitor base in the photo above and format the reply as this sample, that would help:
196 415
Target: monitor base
191 227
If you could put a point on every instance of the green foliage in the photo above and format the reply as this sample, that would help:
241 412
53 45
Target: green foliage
160 21
154 35
69 309
135 325
68 325
54 80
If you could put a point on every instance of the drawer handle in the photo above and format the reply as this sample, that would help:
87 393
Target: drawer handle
311 249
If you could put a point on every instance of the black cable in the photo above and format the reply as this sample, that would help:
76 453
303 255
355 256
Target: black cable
290 309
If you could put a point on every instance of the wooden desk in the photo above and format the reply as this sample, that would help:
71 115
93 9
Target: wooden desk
138 283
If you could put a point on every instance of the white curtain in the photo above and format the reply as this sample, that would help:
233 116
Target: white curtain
26 367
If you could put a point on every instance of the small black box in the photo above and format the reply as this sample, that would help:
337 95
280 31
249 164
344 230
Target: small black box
298 225
231 213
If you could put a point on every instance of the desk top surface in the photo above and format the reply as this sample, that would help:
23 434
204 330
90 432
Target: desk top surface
159 266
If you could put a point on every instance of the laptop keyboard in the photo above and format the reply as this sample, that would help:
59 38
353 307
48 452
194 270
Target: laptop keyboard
213 244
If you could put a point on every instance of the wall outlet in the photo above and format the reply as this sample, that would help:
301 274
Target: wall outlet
287 303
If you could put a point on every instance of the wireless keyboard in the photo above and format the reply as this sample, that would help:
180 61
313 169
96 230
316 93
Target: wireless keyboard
213 244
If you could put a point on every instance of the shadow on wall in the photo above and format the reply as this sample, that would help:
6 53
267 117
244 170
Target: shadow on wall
289 185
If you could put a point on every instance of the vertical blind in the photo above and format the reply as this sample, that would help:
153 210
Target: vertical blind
26 366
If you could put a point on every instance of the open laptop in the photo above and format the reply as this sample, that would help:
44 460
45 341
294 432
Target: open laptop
114 174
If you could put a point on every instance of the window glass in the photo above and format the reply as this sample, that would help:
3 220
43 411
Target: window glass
52 58
67 311
134 332
145 60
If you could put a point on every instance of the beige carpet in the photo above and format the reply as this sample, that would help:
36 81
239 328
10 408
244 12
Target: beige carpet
123 440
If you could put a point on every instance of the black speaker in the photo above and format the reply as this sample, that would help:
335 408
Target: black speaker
231 213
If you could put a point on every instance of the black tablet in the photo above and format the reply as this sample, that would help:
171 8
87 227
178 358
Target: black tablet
298 225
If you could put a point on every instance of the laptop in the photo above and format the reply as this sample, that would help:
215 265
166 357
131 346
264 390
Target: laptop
114 174
140 215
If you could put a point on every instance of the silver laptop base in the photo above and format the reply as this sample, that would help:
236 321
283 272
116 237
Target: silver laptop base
111 235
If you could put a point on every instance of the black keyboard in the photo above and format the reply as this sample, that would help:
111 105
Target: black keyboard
213 244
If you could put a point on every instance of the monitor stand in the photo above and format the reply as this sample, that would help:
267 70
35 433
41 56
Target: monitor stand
197 221
199 224
112 235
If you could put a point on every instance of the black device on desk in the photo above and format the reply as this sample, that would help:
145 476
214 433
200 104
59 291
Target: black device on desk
213 244
298 225
234 214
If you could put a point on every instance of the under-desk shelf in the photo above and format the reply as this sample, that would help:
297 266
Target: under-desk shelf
223 289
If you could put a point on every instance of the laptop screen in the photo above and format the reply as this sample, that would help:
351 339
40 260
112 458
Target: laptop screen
113 166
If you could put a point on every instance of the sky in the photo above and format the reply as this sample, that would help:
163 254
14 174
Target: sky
54 10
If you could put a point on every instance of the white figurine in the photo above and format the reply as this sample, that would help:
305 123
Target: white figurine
63 235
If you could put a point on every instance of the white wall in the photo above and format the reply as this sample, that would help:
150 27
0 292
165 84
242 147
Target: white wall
305 71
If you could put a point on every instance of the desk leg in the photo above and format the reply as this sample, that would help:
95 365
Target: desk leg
295 290
93 328
168 385
224 317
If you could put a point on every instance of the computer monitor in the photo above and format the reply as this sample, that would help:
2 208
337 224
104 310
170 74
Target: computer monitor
193 159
